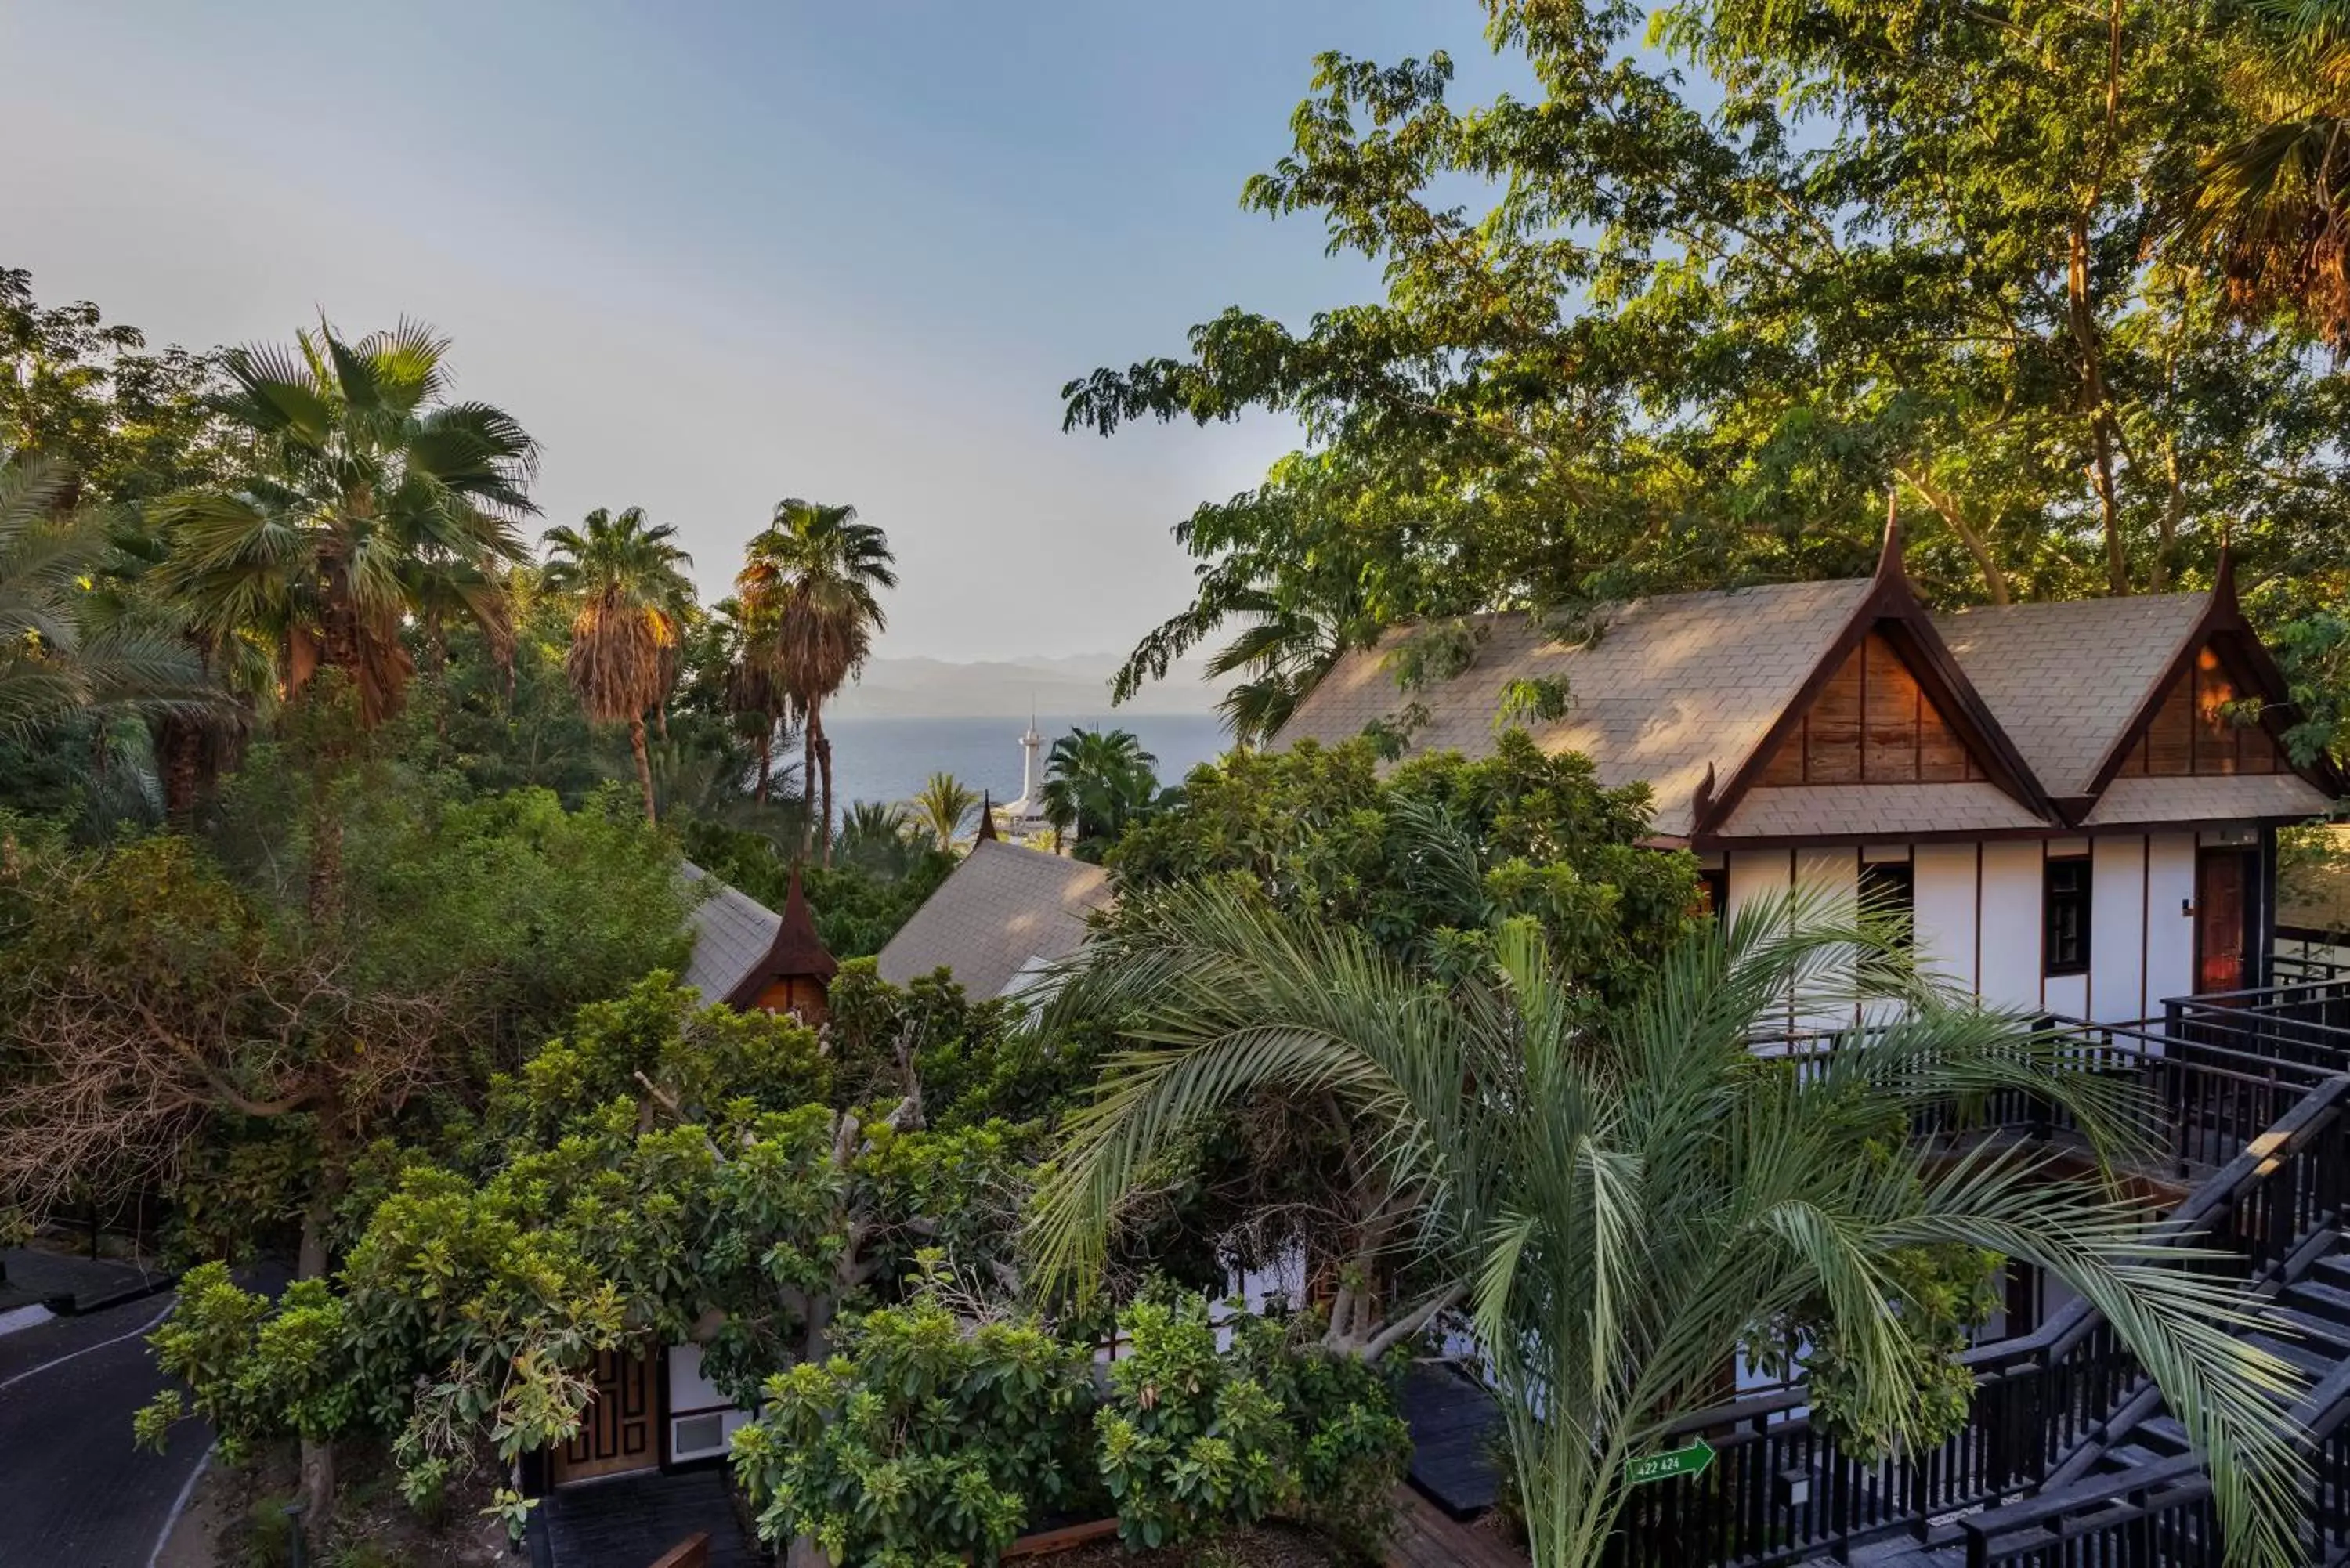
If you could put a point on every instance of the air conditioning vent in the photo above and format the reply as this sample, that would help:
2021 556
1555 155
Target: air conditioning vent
697 1437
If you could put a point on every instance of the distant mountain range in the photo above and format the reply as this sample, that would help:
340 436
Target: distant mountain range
1076 683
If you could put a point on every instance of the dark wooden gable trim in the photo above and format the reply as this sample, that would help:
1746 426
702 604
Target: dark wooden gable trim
1890 607
2223 627
796 953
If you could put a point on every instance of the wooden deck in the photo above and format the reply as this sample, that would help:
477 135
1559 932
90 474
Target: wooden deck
630 1521
1456 1429
1431 1539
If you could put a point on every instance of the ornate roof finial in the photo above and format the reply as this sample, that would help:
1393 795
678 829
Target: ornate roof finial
986 819
2223 579
1889 555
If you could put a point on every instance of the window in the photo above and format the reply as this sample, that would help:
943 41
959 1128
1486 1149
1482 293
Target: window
1888 890
1713 891
2064 945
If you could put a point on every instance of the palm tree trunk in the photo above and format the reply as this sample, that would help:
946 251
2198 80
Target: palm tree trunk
317 1454
823 761
181 743
809 730
644 762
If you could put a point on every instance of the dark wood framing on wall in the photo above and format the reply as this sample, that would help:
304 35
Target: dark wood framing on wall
1891 608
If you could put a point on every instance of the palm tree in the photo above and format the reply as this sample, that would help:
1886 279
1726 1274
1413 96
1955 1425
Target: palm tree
1096 783
371 500
2271 209
1282 657
941 805
1621 1203
64 649
812 579
754 691
624 582
877 838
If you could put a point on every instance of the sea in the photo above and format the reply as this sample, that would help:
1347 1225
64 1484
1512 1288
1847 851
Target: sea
889 759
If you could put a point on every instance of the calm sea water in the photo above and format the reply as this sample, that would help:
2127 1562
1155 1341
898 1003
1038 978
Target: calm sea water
890 759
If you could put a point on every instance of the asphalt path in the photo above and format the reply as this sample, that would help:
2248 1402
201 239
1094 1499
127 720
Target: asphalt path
73 1488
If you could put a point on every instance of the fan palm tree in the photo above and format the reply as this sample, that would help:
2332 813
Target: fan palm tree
754 693
943 804
626 587
1096 782
371 500
812 580
1621 1204
63 648
2271 209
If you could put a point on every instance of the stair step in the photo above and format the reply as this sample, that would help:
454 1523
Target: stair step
2332 1270
2320 1299
2162 1431
2130 1456
2324 1336
2313 1362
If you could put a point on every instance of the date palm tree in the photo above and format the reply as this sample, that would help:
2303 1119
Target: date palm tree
1096 782
1621 1203
2272 208
370 499
943 806
625 582
812 579
66 648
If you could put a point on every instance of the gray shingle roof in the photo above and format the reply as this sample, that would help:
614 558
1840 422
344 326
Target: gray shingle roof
2242 797
1000 911
731 934
1876 810
2063 678
1672 684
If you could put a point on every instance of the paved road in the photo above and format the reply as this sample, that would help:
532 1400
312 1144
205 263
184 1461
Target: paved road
73 1490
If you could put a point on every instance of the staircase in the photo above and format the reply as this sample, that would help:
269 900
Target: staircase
2069 1459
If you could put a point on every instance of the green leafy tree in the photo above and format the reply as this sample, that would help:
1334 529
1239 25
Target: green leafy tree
811 584
925 1440
1622 1201
1096 783
879 838
1691 335
629 598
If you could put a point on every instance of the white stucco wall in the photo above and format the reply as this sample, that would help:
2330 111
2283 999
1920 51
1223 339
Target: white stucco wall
1979 923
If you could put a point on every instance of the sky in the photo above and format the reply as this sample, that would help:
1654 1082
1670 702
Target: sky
713 256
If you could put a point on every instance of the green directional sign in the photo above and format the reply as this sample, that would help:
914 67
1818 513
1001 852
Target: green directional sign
1671 1463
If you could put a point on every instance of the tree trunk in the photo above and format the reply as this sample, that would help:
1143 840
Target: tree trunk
644 762
326 862
1946 507
823 761
767 757
317 1454
810 728
181 740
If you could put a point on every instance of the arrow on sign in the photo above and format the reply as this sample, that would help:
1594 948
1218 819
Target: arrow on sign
1670 1464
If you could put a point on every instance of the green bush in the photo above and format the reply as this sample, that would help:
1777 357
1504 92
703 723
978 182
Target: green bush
1188 1442
926 1441
1348 1446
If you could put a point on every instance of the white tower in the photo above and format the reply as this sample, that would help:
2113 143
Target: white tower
1029 743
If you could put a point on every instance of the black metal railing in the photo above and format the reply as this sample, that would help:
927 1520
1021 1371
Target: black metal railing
1780 1491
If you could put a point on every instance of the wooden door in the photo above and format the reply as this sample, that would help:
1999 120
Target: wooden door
617 1432
2223 919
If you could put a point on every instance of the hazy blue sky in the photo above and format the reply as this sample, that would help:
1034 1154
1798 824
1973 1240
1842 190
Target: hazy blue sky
714 254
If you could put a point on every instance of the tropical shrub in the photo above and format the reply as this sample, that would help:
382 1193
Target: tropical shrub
926 1440
1190 1442
976 1060
1347 1445
257 1371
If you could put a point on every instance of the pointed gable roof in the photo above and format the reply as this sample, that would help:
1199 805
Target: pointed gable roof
1000 914
741 947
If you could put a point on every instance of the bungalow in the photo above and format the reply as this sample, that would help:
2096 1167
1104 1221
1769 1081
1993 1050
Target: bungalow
999 920
2077 802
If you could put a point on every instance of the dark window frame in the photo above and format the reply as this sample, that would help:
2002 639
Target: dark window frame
2067 887
1880 878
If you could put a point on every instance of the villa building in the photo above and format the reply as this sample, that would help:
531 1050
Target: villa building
2077 802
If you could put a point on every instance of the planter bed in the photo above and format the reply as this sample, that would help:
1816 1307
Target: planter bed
1094 1545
